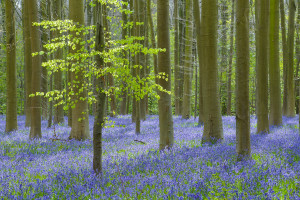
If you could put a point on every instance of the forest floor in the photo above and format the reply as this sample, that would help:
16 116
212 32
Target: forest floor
46 169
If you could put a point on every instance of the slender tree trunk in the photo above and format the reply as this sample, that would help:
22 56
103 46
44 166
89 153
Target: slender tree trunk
274 72
224 54
44 80
152 35
229 73
11 69
164 65
290 69
242 80
176 57
35 128
137 70
50 116
181 52
142 57
200 58
262 66
213 129
125 55
285 56
101 97
187 83
80 117
58 78
28 64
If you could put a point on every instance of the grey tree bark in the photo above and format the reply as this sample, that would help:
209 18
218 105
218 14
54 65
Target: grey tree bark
242 80
274 72
164 103
11 68
262 38
80 117
100 95
188 70
213 128
35 128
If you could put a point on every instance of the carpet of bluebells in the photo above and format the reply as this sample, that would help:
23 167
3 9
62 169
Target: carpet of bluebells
46 169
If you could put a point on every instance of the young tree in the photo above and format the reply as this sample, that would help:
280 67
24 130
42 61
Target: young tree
262 38
274 70
164 103
142 56
125 54
35 128
242 80
213 129
188 70
80 118
11 69
100 95
290 68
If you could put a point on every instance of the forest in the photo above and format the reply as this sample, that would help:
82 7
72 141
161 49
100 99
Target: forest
149 99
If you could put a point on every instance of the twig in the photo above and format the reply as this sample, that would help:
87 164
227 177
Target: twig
140 141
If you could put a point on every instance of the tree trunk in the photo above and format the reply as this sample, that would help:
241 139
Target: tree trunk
137 70
28 64
176 57
285 56
290 69
229 73
152 34
274 72
44 80
11 69
125 55
80 117
224 59
200 58
101 97
142 57
188 70
242 80
262 66
58 82
164 103
181 53
213 129
35 128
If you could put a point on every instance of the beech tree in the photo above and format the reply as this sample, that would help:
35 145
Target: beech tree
164 66
100 95
262 38
58 84
242 80
27 61
35 128
274 70
188 70
290 112
11 69
80 117
213 128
